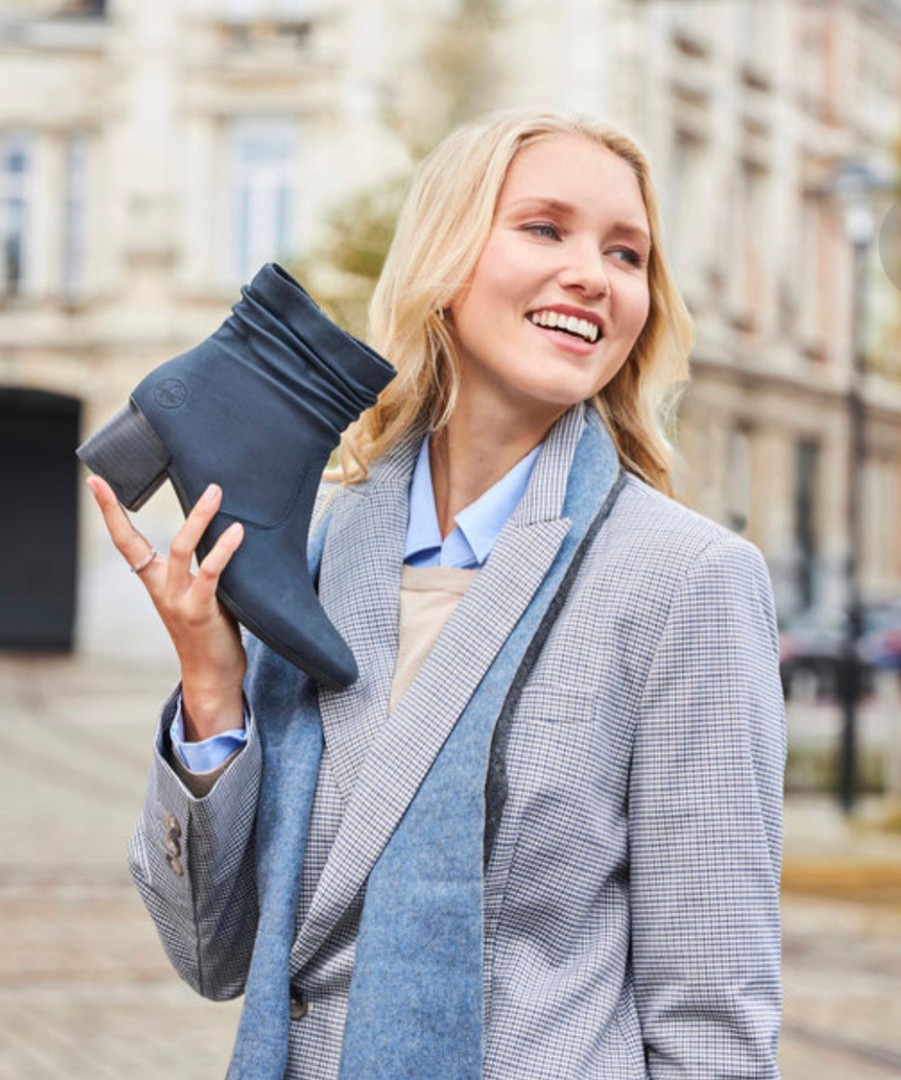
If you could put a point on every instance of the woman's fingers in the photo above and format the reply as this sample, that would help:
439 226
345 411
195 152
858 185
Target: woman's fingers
184 544
133 547
210 570
205 637
199 592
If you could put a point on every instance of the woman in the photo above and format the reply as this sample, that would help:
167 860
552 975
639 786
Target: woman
542 836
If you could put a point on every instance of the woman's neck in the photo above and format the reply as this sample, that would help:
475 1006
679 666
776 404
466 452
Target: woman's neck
470 455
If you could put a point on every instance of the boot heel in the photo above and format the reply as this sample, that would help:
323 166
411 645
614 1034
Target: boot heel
129 455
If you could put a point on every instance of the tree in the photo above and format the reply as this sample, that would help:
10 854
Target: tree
462 83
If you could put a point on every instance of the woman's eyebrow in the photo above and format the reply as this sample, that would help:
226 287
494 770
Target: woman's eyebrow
545 202
636 232
558 206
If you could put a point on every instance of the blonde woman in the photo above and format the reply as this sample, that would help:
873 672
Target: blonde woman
540 835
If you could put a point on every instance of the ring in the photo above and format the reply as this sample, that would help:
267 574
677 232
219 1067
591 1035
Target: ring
145 562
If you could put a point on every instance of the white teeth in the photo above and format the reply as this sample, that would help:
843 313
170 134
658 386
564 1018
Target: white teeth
556 321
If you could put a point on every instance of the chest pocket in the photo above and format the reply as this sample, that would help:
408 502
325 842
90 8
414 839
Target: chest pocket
554 703
542 704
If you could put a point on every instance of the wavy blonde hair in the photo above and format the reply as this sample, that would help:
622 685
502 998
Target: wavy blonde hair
440 234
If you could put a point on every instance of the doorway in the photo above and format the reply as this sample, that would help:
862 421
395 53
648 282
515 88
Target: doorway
38 536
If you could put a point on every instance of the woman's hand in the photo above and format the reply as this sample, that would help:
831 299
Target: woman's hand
205 636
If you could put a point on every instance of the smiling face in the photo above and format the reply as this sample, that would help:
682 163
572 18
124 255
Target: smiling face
559 294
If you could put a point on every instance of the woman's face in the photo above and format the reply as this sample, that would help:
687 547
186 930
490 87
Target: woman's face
559 294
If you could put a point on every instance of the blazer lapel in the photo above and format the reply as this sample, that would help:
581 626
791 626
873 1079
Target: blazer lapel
399 753
359 588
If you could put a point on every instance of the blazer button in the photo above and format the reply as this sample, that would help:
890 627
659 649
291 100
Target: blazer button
172 825
299 1005
172 843
175 864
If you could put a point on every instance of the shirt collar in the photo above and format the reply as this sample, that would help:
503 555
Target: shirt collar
477 526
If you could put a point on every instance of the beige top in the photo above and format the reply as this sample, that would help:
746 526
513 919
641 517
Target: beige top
428 597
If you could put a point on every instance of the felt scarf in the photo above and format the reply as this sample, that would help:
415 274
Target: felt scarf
416 1006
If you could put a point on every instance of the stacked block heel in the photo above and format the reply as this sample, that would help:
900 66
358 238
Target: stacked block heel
129 455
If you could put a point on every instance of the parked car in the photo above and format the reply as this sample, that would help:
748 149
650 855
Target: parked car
814 642
880 646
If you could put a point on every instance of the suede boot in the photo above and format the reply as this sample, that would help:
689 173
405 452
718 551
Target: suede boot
257 408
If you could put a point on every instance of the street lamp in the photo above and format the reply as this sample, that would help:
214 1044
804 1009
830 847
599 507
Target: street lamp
853 186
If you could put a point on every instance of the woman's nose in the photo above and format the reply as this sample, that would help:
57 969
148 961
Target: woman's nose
585 271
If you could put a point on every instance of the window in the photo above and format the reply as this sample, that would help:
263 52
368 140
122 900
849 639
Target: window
879 533
86 7
753 37
807 471
247 10
738 479
689 202
15 213
750 286
812 267
74 215
262 198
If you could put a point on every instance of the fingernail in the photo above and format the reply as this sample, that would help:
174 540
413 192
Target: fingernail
211 492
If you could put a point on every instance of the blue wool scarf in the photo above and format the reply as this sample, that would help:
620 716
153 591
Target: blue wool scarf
416 996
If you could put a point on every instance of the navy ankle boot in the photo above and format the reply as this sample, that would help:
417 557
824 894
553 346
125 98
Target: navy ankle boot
257 407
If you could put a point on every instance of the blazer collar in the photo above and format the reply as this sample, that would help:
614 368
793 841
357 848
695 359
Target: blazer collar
543 500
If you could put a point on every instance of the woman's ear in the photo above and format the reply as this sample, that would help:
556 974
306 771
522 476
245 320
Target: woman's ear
446 315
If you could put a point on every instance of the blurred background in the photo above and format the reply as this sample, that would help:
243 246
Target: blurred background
154 154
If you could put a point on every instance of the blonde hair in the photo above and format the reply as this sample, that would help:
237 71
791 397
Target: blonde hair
440 234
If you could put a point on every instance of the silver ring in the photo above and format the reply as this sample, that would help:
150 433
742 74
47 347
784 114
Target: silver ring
145 562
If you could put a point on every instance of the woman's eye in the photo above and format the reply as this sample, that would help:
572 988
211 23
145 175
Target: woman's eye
543 228
628 255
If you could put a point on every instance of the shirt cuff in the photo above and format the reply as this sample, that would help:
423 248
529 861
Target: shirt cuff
208 754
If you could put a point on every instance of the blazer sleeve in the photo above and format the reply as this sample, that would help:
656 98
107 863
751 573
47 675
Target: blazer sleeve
192 859
705 827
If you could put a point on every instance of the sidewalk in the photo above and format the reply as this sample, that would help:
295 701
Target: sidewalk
87 994
842 945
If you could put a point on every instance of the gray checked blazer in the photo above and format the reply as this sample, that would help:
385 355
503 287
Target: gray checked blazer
636 934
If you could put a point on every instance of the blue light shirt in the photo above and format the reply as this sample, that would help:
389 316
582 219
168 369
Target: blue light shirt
208 754
477 526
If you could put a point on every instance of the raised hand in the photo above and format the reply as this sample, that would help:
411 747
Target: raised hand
205 636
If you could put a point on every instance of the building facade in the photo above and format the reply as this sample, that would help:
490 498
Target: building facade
152 156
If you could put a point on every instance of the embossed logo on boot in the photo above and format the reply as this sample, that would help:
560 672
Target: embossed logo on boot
171 394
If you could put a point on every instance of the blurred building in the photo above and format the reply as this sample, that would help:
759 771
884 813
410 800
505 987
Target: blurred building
152 155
